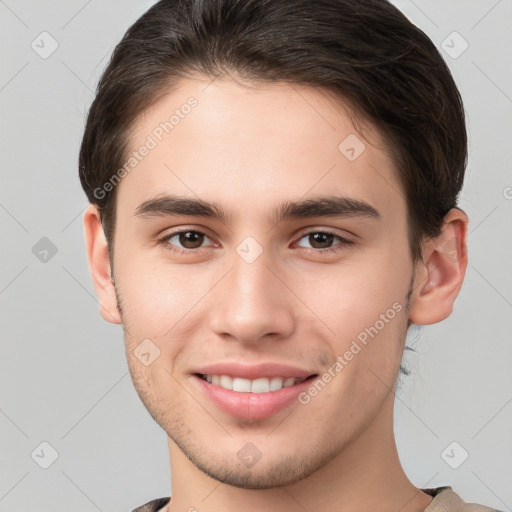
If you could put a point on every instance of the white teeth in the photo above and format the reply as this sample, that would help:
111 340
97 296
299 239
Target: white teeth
288 382
259 386
226 382
276 383
243 385
262 385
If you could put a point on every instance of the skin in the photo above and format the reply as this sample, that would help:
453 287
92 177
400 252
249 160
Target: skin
249 149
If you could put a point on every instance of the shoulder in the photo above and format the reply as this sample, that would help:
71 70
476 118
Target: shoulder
445 499
153 505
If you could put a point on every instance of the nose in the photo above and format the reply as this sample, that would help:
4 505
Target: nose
253 302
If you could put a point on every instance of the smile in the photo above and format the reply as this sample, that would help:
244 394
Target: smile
260 385
255 399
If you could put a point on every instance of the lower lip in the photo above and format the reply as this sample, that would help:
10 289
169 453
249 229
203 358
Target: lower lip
252 406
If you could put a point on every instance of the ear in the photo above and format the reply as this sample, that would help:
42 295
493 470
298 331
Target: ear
439 275
99 265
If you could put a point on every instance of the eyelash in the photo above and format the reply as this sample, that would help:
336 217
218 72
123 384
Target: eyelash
164 241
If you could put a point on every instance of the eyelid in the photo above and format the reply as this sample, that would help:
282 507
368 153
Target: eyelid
336 248
183 229
346 236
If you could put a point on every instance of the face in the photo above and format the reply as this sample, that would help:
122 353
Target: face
284 243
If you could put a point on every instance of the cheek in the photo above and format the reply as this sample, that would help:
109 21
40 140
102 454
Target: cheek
353 297
155 297
363 304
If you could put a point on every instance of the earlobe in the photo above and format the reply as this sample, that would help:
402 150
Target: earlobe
439 276
99 265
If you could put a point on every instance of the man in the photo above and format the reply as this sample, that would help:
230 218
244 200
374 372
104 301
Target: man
273 191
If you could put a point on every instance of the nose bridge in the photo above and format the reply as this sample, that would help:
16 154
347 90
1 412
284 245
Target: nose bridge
254 301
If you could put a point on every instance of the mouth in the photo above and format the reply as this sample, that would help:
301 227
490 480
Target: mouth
252 399
259 385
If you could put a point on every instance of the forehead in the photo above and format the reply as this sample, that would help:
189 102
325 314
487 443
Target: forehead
250 145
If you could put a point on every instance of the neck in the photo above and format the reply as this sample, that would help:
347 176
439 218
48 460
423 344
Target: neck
366 475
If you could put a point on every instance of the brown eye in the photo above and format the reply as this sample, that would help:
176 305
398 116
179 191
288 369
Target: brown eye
323 242
191 239
320 240
185 240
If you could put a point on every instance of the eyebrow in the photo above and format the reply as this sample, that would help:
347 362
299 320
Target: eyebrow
325 206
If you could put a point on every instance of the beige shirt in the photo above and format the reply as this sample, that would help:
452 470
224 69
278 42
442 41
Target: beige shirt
445 500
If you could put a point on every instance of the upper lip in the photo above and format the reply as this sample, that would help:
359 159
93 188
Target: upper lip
254 371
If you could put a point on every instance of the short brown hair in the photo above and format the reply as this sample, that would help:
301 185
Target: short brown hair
364 51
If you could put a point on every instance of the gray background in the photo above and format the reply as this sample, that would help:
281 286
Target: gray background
63 374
